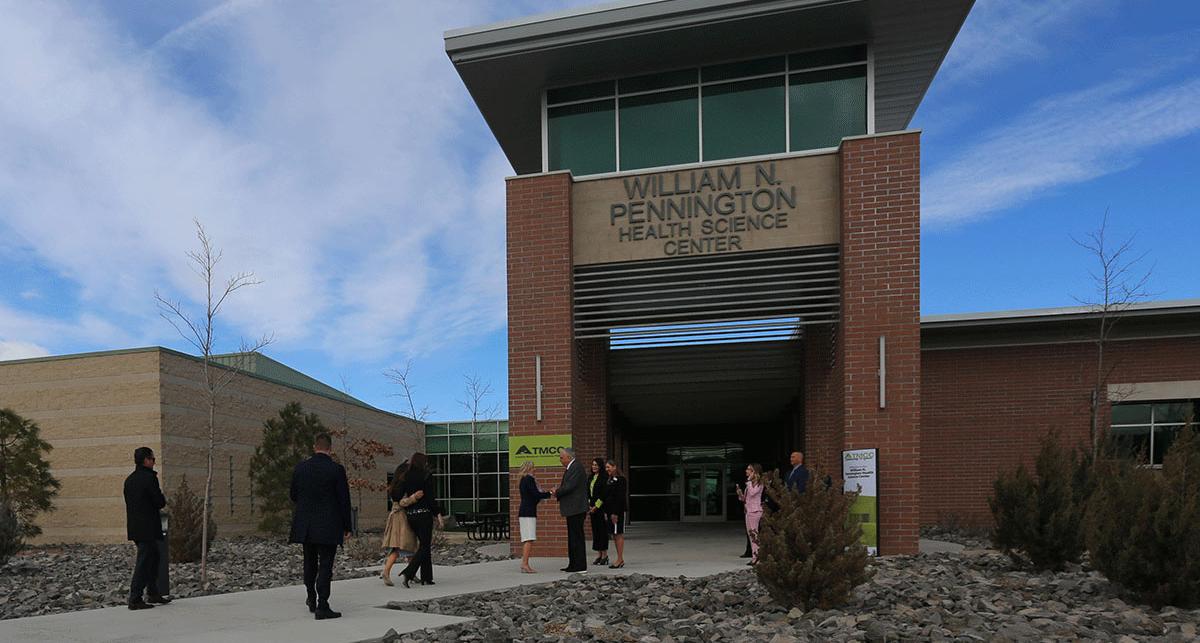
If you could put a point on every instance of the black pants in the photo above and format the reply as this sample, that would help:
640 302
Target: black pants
145 571
422 525
599 531
576 545
318 571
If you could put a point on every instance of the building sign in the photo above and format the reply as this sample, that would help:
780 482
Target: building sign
782 203
860 472
542 449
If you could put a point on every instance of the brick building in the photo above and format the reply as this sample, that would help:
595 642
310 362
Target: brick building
714 258
95 408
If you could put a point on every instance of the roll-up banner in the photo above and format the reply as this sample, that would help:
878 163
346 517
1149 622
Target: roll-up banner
860 472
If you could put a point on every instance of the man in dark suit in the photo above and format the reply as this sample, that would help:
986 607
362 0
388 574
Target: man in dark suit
797 478
143 501
321 522
572 504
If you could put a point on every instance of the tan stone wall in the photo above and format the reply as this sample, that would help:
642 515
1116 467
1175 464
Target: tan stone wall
94 410
242 409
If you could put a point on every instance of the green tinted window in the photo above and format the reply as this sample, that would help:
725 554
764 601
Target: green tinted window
579 92
435 429
744 119
487 443
485 426
826 57
657 81
460 444
582 138
1131 413
504 426
743 69
659 129
460 428
827 106
435 445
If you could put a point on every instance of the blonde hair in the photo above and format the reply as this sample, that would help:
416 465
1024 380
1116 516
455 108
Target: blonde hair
526 467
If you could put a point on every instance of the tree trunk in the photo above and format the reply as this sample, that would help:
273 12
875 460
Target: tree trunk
212 409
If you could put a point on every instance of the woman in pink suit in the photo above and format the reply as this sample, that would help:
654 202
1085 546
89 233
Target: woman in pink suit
752 498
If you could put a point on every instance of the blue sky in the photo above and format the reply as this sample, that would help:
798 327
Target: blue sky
331 149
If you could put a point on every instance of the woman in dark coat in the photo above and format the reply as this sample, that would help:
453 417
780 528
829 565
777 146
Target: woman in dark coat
531 495
615 491
596 485
421 515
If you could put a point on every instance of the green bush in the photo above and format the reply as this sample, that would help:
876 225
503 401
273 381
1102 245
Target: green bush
286 440
809 552
26 486
1143 528
186 511
1039 519
11 538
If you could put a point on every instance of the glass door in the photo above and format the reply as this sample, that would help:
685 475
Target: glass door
703 495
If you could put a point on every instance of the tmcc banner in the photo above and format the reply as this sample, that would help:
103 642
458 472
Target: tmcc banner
860 472
541 449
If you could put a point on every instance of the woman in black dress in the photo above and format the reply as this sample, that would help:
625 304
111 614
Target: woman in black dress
596 485
421 515
615 491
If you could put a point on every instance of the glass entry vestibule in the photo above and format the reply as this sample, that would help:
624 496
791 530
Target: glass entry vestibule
704 492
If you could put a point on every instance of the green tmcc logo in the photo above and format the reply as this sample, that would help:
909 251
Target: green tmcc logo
527 450
860 456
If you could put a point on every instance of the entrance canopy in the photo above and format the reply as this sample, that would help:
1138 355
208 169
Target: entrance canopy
506 66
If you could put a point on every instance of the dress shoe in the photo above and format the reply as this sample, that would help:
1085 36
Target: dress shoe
311 602
746 555
139 605
324 613
428 582
161 600
405 580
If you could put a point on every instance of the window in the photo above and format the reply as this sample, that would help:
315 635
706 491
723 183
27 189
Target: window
1145 430
470 465
808 100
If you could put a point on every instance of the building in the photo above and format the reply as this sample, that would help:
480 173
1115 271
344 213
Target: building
470 464
95 408
713 257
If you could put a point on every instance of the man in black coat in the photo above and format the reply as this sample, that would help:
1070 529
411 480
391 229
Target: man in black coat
321 522
572 504
143 501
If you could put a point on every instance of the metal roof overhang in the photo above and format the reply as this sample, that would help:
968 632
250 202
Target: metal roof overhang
506 66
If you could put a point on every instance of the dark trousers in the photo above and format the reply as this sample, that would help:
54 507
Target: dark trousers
422 525
576 546
145 571
318 571
599 531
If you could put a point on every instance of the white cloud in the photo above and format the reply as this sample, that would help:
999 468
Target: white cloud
20 350
340 160
1067 139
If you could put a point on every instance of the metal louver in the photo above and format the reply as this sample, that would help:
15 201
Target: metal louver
766 294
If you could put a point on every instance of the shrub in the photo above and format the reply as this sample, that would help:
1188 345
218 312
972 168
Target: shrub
1143 528
809 552
1039 519
11 538
286 441
26 486
186 510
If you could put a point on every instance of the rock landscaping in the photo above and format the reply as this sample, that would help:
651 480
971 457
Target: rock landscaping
973 596
65 578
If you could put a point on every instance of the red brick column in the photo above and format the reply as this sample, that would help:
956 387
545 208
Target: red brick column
590 430
822 400
880 246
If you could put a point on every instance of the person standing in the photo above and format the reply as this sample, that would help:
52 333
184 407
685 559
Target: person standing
752 498
421 516
143 501
797 478
398 536
321 521
572 504
615 490
596 484
531 495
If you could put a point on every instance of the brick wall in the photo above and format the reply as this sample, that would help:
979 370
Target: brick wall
880 251
984 410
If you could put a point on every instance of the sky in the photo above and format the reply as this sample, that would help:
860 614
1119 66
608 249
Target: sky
331 150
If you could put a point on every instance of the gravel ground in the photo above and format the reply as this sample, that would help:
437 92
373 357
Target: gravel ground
65 578
974 596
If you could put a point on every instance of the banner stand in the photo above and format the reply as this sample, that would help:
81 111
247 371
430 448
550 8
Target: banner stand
860 472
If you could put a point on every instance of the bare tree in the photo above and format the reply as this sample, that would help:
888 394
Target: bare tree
401 377
200 333
477 391
1118 282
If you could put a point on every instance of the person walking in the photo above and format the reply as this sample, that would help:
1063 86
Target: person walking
797 478
752 498
596 484
531 495
398 536
321 521
615 490
572 504
421 516
143 501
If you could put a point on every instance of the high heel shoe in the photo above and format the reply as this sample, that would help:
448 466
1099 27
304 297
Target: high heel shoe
603 561
386 581
406 580
617 566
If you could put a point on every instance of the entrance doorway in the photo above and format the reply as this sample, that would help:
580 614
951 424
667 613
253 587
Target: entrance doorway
703 494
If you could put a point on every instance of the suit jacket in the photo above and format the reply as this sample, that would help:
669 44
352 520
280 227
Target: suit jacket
143 500
596 485
615 489
572 492
530 497
797 479
322 497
